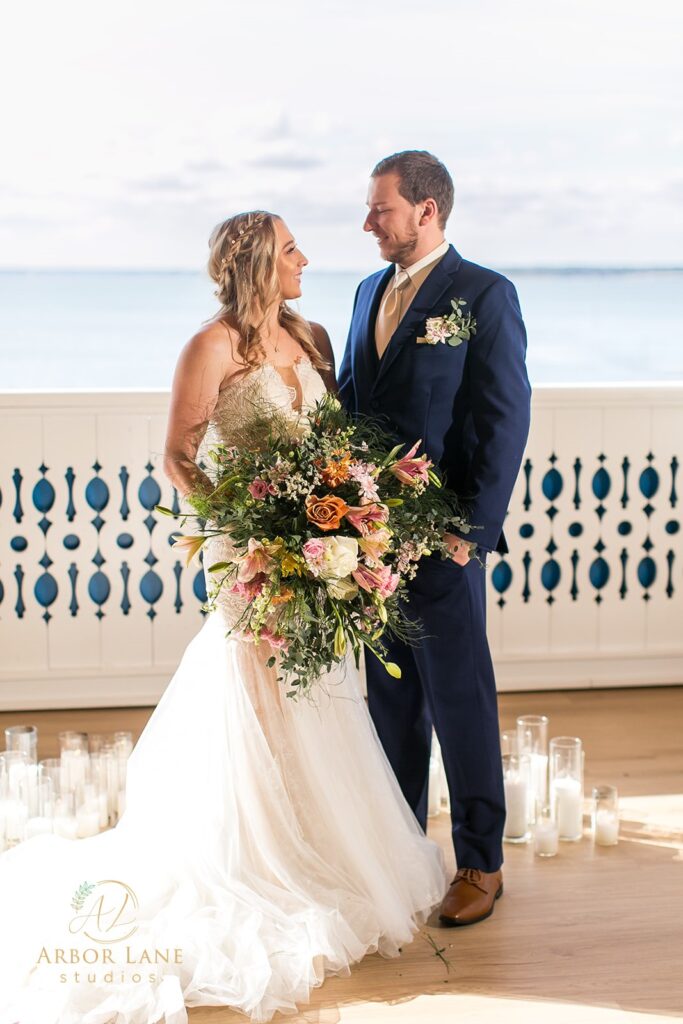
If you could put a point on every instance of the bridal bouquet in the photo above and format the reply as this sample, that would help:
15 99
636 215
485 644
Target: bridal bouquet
326 529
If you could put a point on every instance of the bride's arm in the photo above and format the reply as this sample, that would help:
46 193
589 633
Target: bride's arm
324 346
201 368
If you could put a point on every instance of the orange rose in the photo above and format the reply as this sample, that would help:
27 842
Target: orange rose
325 513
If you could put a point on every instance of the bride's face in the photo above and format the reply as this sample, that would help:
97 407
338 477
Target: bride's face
290 262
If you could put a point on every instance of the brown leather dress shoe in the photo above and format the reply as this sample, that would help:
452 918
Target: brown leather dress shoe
471 897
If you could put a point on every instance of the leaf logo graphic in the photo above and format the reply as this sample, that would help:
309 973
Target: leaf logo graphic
81 895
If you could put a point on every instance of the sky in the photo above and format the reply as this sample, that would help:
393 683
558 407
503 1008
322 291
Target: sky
129 129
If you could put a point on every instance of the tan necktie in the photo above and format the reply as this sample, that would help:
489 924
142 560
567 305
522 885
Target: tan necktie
390 312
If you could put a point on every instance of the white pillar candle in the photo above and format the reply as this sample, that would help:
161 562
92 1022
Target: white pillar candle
516 807
546 836
538 770
568 804
88 822
16 815
606 827
121 802
74 769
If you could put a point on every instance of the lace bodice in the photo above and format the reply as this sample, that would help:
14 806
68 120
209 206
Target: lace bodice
235 420
254 395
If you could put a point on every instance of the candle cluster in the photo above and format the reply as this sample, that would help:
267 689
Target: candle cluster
78 794
544 790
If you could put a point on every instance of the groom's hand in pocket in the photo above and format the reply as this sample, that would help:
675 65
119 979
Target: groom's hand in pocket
460 550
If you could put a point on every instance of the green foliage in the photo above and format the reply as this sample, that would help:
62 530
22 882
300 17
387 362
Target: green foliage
315 627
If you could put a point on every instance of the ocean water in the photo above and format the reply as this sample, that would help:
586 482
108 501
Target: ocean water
124 329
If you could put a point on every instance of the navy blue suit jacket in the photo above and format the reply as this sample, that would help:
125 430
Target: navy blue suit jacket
469 404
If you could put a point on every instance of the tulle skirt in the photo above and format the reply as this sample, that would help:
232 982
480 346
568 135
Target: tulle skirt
265 844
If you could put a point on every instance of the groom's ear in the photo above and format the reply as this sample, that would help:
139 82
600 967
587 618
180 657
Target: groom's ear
430 212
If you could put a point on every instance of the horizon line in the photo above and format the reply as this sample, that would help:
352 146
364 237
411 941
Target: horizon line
530 268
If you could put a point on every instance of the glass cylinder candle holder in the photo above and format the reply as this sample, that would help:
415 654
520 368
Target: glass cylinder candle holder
509 742
566 786
75 761
123 742
51 768
96 740
65 823
15 783
532 739
23 737
546 835
43 819
605 815
516 785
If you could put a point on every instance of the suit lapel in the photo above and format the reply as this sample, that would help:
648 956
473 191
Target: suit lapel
430 295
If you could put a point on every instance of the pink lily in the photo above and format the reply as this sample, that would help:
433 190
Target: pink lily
381 579
411 471
363 516
255 561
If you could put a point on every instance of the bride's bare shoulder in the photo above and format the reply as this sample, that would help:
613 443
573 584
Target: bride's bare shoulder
214 346
216 336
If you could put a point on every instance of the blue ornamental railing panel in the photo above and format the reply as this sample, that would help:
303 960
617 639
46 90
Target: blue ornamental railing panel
96 608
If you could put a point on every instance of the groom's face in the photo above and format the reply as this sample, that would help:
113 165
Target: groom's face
392 219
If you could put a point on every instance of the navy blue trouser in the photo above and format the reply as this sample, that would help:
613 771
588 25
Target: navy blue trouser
447 680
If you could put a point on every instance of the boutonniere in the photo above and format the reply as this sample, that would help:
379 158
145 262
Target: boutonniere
453 328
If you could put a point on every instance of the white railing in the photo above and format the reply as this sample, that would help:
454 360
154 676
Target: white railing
96 608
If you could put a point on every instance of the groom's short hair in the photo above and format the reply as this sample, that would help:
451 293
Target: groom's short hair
421 176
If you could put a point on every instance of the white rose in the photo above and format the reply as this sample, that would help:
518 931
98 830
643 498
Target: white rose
340 557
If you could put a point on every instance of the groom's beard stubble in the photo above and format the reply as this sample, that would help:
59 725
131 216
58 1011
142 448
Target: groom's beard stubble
402 254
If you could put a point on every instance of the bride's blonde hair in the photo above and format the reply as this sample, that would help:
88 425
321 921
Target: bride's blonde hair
242 262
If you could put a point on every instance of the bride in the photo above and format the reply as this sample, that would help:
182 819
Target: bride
265 842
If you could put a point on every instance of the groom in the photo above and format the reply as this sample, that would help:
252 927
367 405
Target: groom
470 406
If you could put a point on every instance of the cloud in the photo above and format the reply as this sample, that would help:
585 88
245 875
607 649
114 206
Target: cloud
164 183
207 167
286 162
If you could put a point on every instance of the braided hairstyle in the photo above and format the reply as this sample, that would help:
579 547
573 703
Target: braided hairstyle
242 262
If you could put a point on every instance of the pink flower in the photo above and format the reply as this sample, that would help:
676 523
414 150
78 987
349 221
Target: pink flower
363 516
250 589
257 560
381 579
258 488
313 551
279 643
362 472
437 329
411 471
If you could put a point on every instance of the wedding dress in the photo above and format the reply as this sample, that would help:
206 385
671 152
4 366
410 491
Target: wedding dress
265 839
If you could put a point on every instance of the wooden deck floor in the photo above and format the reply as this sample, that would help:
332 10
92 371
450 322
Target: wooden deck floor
593 935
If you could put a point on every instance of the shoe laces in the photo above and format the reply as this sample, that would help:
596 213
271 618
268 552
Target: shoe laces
471 875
